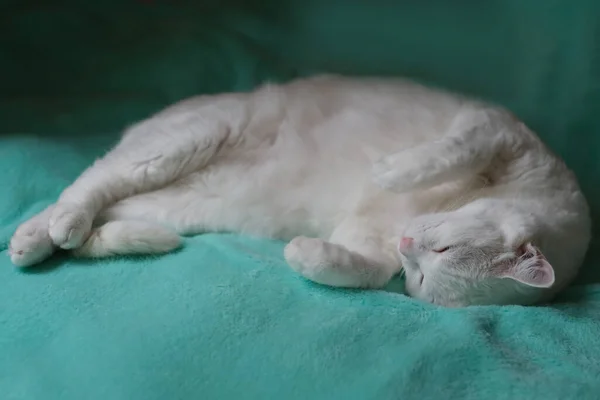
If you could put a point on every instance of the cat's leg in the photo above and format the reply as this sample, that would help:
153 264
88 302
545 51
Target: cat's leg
128 237
31 243
187 206
136 225
151 155
474 139
353 258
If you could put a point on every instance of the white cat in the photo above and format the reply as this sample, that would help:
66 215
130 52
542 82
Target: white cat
365 176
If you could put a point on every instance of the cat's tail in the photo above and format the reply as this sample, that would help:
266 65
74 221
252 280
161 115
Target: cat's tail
128 237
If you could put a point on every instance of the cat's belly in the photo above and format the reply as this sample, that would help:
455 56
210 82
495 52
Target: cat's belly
282 197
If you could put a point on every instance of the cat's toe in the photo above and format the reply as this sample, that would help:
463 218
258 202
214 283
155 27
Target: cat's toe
30 246
69 225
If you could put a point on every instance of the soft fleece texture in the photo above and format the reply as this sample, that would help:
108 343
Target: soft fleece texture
224 317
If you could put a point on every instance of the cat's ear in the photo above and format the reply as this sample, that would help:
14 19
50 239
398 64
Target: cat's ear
530 268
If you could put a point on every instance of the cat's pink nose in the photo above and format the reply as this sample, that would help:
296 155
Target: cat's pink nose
406 243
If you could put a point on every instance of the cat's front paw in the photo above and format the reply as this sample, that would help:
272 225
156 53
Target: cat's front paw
316 260
30 243
391 173
69 225
305 255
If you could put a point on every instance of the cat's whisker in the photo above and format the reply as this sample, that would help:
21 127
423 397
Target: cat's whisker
402 273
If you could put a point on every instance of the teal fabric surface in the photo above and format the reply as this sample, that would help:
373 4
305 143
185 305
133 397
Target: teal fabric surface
224 317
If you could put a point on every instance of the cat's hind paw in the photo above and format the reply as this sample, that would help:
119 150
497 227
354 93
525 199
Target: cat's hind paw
69 225
31 243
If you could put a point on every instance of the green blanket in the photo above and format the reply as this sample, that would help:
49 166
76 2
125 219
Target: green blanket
224 317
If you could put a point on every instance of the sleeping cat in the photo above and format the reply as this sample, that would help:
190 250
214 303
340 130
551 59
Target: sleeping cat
366 177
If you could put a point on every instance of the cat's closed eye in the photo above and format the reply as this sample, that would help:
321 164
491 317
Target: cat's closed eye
441 250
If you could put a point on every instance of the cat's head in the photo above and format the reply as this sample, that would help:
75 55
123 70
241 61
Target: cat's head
462 258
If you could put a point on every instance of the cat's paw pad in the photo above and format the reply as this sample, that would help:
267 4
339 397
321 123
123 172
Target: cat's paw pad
69 225
30 245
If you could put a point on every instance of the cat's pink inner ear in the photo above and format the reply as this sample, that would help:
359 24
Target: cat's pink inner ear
531 268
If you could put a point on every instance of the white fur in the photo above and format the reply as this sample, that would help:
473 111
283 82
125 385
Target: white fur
128 237
347 167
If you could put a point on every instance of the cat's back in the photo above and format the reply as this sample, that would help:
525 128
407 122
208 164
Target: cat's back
356 120
381 112
350 91
391 106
